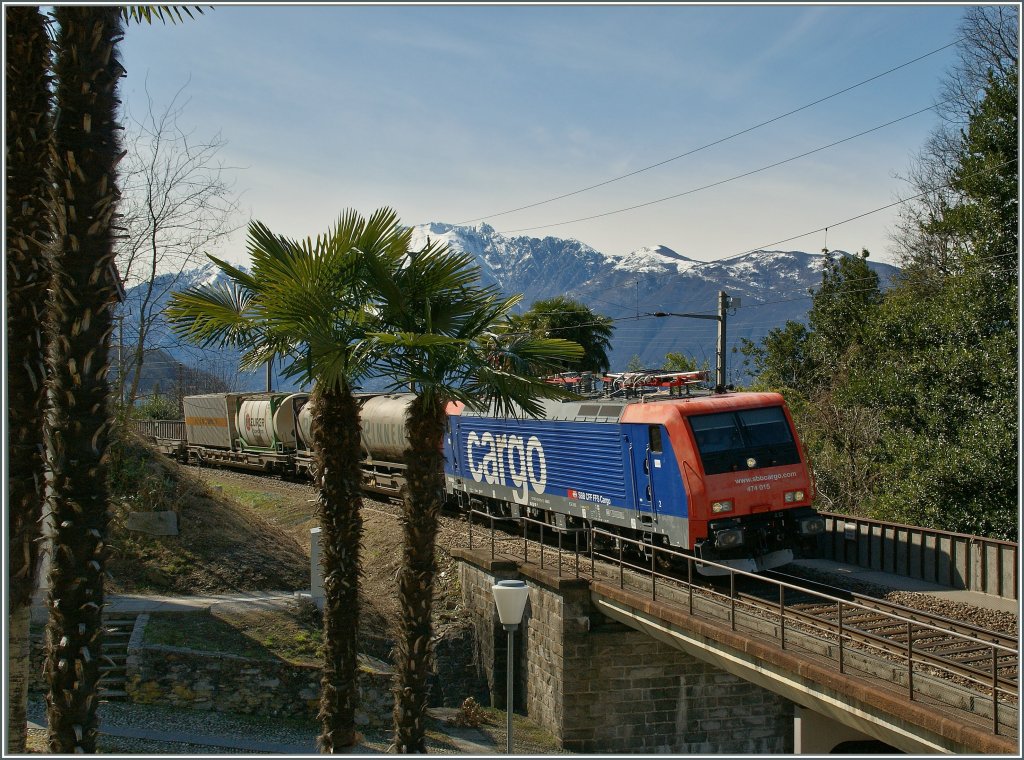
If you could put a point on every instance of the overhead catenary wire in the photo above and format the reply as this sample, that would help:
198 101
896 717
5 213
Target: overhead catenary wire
836 224
722 181
922 194
718 141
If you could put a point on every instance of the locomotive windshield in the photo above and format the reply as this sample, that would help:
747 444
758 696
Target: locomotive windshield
744 440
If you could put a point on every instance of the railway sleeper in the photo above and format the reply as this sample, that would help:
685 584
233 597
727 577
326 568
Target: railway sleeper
896 650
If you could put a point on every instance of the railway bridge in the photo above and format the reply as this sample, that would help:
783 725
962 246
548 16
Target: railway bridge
611 663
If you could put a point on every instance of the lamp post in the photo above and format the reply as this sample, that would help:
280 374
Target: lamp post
510 598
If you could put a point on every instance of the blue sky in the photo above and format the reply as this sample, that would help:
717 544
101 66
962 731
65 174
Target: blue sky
456 113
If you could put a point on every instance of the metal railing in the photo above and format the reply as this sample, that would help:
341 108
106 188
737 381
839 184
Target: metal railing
838 640
541 548
957 560
171 429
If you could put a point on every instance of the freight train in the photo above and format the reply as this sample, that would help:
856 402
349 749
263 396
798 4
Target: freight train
720 475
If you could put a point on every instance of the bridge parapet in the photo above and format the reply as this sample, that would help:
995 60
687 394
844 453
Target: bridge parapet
956 560
608 669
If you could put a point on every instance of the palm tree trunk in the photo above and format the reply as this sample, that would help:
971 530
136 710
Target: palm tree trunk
17 678
78 420
422 508
336 442
28 149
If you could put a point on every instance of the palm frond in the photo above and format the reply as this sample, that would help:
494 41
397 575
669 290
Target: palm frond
221 313
413 341
149 13
508 393
242 278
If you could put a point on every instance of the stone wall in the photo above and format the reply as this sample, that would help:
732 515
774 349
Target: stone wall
636 694
602 687
458 670
489 638
228 683
182 677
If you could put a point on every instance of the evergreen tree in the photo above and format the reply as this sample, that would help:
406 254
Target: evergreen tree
565 318
840 313
676 362
782 360
944 367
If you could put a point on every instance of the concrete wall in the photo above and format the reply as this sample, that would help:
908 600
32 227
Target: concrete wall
949 559
602 687
816 734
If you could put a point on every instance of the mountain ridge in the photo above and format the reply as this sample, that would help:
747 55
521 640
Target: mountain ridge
772 287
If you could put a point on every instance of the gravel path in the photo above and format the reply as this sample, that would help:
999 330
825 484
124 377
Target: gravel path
209 732
133 729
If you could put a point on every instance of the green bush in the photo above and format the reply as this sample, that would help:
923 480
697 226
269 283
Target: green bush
157 408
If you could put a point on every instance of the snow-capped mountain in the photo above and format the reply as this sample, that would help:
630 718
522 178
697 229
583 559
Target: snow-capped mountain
772 287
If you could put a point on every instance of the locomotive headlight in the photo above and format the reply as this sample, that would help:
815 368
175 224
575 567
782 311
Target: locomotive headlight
812 526
792 496
729 539
725 505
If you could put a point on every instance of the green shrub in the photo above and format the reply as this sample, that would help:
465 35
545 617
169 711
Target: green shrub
157 408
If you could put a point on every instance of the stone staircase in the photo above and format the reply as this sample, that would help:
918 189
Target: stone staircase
114 671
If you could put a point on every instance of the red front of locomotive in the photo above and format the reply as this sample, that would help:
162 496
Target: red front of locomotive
748 482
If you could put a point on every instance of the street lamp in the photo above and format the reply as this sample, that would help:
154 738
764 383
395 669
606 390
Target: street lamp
510 598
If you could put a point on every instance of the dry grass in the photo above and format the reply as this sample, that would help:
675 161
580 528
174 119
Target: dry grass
293 632
222 545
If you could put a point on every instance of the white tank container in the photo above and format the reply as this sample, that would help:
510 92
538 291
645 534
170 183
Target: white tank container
255 420
285 419
304 424
382 419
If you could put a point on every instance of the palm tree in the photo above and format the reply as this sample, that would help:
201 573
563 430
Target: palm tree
28 148
444 338
306 301
83 287
78 169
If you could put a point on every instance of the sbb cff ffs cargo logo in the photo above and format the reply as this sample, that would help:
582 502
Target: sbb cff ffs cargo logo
496 459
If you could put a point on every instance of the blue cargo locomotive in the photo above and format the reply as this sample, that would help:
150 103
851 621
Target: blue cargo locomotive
722 476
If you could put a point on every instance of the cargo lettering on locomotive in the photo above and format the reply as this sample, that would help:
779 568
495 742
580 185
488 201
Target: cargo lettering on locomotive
501 450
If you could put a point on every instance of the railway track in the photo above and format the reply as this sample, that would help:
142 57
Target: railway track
958 648
841 625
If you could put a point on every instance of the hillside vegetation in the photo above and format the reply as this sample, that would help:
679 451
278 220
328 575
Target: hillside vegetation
240 532
222 545
907 398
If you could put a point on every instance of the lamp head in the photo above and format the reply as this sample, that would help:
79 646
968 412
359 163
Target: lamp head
510 597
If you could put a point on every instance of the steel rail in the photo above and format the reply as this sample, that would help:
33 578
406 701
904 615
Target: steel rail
907 612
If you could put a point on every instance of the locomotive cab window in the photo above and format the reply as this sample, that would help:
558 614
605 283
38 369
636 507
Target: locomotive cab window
744 440
654 436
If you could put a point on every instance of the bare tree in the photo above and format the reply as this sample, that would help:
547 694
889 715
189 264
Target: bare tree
988 43
177 201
